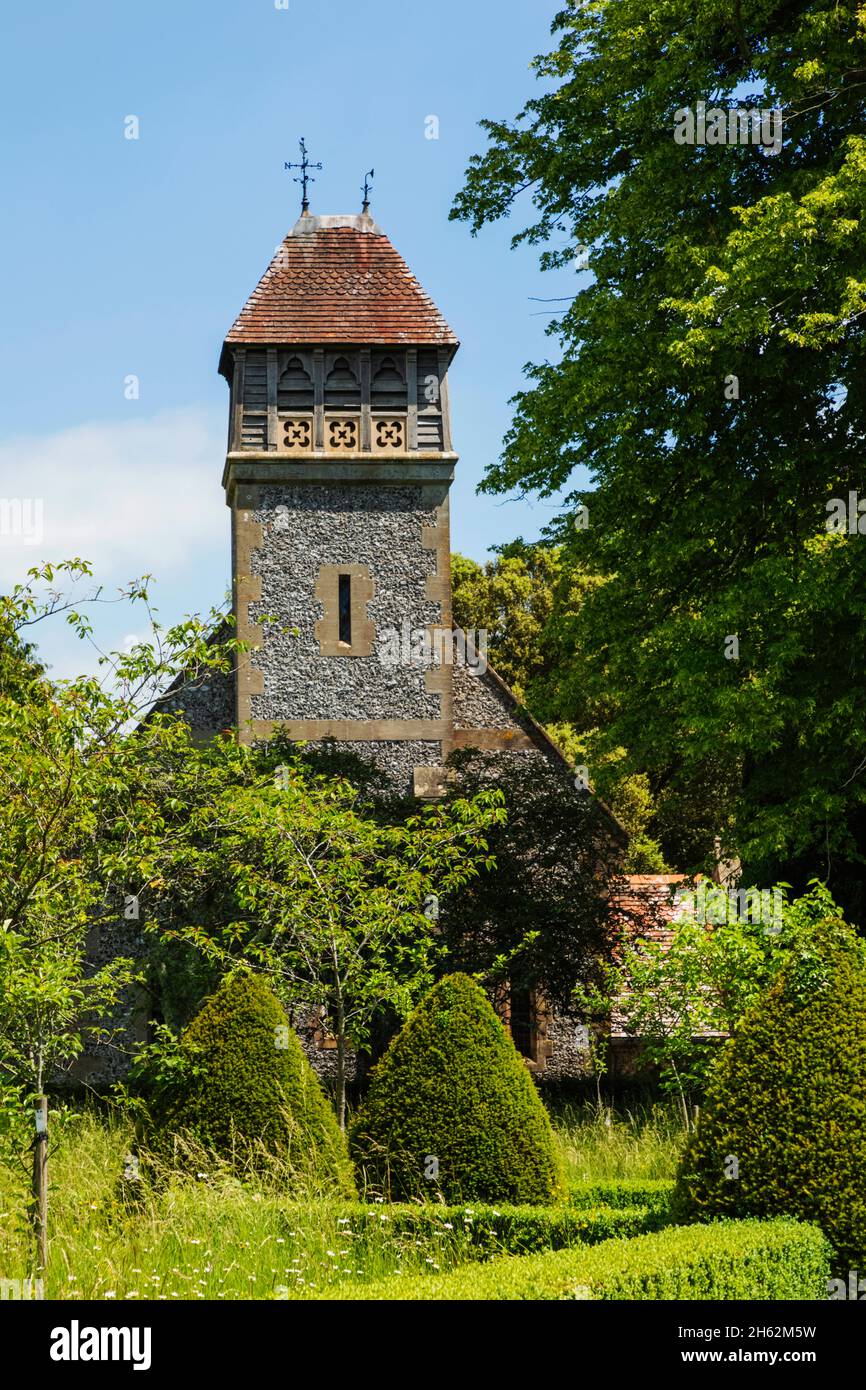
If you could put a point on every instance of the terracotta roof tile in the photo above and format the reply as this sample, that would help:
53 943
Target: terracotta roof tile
339 280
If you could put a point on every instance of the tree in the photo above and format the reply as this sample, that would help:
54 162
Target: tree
782 1130
510 598
526 602
681 998
243 1082
709 382
73 834
297 874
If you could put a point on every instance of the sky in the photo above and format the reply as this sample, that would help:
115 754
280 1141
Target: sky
131 257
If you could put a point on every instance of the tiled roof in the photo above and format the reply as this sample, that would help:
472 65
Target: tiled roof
339 280
645 906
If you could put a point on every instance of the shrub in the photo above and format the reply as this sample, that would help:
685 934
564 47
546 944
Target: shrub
482 1231
728 1260
623 1193
783 1126
452 1101
244 1086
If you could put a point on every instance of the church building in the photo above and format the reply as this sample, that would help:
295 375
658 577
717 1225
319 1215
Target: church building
337 476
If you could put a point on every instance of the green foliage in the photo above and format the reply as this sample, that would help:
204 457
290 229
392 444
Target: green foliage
730 1260
680 998
646 1193
301 875
526 602
783 1127
244 1081
510 598
708 510
79 831
556 850
453 1088
510 1230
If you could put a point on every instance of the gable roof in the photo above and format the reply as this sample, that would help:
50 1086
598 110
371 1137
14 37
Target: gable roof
339 280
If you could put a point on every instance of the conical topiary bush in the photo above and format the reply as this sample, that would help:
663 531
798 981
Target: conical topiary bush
782 1130
452 1109
246 1085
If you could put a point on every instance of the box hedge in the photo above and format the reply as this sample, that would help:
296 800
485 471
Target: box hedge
246 1088
619 1193
484 1231
752 1260
452 1109
782 1130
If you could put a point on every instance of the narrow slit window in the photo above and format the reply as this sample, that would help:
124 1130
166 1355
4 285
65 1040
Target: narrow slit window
345 608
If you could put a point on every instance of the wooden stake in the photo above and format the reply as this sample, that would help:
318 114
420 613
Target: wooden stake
40 1182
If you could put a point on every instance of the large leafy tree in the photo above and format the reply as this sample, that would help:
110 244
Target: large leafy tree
710 383
527 602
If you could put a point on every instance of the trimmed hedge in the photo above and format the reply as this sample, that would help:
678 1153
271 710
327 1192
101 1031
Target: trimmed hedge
248 1084
782 1131
624 1192
753 1260
452 1109
486 1231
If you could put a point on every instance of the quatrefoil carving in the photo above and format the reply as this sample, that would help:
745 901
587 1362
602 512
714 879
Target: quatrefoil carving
297 434
343 434
389 434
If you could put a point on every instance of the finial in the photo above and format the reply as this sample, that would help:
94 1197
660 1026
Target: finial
305 177
370 174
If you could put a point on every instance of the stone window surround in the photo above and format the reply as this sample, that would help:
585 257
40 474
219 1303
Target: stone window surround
327 591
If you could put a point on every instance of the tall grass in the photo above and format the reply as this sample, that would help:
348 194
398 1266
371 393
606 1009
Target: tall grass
601 1144
198 1231
201 1231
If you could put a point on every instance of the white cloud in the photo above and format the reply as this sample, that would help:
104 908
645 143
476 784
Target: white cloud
130 496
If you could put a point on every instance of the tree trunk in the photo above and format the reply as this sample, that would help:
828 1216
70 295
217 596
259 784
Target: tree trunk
40 1183
341 1068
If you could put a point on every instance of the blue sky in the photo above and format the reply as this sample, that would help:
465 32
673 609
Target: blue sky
130 257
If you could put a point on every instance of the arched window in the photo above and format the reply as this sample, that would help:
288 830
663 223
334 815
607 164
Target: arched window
294 387
342 389
388 389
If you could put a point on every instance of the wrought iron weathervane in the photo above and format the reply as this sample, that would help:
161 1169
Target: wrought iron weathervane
305 177
370 174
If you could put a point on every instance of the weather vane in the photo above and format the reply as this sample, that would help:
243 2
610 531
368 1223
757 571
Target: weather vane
305 177
370 174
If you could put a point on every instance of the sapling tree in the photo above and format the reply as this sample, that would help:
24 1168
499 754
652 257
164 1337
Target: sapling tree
76 834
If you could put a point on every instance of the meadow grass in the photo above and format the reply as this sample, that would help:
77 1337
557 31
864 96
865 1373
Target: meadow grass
599 1143
201 1231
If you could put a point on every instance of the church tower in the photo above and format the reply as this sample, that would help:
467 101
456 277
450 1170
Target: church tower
337 474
